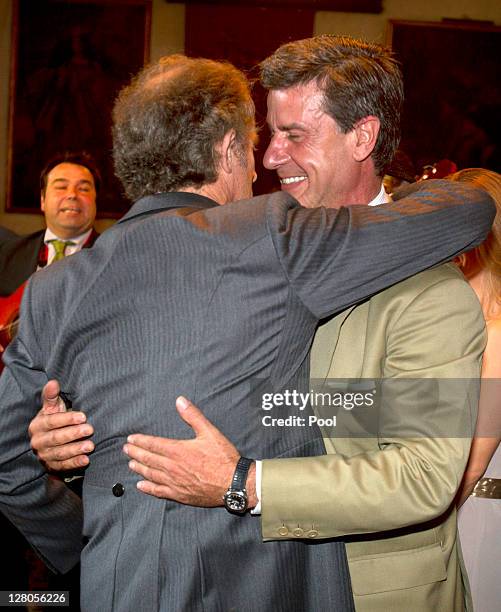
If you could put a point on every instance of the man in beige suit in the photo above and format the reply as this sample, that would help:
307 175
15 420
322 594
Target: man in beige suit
392 492
388 485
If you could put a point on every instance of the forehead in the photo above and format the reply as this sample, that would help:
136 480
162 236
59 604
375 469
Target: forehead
70 172
300 102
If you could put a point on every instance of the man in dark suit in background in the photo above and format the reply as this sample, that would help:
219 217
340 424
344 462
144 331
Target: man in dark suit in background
69 184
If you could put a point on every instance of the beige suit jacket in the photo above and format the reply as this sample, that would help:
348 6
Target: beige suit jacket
392 491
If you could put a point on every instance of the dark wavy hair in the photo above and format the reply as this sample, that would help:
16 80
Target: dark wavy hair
80 158
358 79
168 121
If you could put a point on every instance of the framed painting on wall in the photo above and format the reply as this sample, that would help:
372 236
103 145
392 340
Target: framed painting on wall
350 6
69 60
452 91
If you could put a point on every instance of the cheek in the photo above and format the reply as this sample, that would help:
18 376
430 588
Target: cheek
49 206
307 156
50 202
89 204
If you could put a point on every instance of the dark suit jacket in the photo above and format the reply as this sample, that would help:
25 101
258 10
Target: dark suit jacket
219 304
6 234
19 258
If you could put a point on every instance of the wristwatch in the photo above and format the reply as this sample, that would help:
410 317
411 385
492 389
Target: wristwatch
235 498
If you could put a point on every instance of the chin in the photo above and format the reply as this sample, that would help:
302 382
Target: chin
297 191
304 200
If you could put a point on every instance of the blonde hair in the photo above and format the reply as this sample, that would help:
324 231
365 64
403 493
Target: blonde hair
488 254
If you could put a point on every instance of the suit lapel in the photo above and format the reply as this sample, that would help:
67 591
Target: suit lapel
328 362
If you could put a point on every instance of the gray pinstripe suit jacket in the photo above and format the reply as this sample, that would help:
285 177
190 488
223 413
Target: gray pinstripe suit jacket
219 304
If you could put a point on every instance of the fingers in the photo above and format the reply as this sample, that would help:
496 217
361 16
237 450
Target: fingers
50 448
57 436
64 457
68 451
50 398
155 476
59 428
74 463
152 467
194 471
49 438
57 440
154 444
152 457
156 490
194 417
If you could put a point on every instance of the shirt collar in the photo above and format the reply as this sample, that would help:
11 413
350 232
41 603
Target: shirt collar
381 198
78 241
159 202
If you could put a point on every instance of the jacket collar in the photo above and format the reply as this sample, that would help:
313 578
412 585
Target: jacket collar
166 201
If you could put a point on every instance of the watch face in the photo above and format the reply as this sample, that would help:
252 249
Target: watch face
235 501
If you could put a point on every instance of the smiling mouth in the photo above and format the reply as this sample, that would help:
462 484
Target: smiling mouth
75 210
292 179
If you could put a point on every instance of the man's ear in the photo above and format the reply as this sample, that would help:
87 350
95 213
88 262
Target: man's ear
366 132
42 202
226 149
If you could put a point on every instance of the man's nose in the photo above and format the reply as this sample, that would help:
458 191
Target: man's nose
276 154
71 192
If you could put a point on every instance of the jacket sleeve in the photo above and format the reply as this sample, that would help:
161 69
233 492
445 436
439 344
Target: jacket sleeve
410 473
336 258
47 513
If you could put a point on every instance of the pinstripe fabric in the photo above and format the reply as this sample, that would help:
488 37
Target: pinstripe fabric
223 308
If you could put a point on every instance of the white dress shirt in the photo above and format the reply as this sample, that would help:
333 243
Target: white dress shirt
78 241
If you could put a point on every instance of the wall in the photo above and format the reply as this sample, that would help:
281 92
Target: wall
167 36
373 27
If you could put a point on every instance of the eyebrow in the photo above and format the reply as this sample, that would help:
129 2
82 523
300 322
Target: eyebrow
290 127
65 180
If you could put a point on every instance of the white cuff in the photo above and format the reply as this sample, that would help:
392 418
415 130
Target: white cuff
259 467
